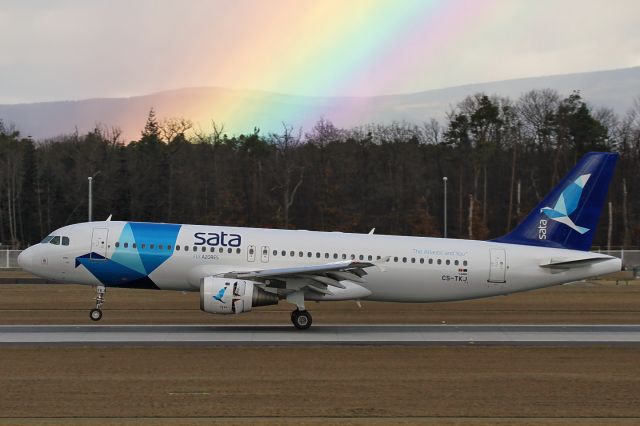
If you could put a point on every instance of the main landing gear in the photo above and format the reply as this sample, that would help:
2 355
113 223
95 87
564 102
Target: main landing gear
96 314
301 319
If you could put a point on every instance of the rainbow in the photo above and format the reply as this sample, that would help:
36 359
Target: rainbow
330 48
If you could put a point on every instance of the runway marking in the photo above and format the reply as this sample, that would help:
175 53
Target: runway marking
628 334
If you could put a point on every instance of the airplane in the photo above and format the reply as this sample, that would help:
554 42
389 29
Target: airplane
264 266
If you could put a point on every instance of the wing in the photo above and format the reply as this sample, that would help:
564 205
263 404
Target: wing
315 277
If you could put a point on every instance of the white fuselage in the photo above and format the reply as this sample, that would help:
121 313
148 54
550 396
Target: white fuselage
409 269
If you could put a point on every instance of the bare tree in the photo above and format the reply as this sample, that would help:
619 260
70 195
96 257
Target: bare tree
170 128
289 174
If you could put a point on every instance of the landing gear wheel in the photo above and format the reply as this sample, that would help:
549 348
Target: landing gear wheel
301 319
95 314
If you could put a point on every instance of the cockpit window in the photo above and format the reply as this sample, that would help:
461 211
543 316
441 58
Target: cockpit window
65 241
55 240
46 239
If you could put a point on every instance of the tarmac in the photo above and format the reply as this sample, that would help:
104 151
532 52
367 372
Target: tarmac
325 335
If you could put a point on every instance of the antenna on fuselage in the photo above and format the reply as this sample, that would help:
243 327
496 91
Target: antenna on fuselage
109 218
372 231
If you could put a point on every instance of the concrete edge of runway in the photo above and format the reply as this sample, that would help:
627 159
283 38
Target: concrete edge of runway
321 335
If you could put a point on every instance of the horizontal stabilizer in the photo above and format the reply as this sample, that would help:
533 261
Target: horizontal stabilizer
573 263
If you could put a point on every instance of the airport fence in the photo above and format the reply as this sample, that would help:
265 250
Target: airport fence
9 259
630 258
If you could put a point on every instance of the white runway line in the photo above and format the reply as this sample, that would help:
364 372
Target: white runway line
321 335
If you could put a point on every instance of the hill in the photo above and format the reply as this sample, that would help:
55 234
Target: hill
242 110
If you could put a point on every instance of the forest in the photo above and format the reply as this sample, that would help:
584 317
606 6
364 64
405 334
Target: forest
500 157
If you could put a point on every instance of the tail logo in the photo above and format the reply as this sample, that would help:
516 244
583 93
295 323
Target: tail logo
567 204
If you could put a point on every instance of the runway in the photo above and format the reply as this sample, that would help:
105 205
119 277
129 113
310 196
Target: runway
238 335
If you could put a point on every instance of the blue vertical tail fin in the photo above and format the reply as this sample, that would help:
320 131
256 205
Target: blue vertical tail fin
569 214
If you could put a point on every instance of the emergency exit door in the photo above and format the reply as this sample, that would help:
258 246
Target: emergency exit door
264 254
497 266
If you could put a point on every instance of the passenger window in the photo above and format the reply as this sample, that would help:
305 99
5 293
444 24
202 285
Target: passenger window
378 257
159 246
212 249
284 253
204 248
126 245
300 254
318 255
238 250
395 259
221 250
413 260
65 241
141 245
422 260
275 252
447 261
370 257
117 244
55 240
335 255
309 254
456 263
151 246
169 247
195 248
464 262
404 260
292 253
326 255
439 261
344 256
177 247
361 257
133 245
230 250
353 257
430 261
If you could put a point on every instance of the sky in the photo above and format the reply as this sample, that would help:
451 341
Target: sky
78 49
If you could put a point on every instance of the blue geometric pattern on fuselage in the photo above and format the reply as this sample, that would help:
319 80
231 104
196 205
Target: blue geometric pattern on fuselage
128 257
157 234
109 272
130 267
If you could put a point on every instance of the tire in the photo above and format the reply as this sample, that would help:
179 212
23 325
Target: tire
301 319
95 314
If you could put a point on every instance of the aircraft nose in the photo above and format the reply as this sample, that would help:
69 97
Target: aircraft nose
25 259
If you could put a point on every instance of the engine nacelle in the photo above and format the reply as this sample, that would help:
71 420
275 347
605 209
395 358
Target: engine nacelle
232 296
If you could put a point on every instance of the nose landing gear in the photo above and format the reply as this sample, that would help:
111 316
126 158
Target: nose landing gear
96 314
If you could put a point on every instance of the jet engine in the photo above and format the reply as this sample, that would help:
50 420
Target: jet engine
232 296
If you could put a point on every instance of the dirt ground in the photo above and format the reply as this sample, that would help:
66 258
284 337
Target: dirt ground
601 301
310 385
416 384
